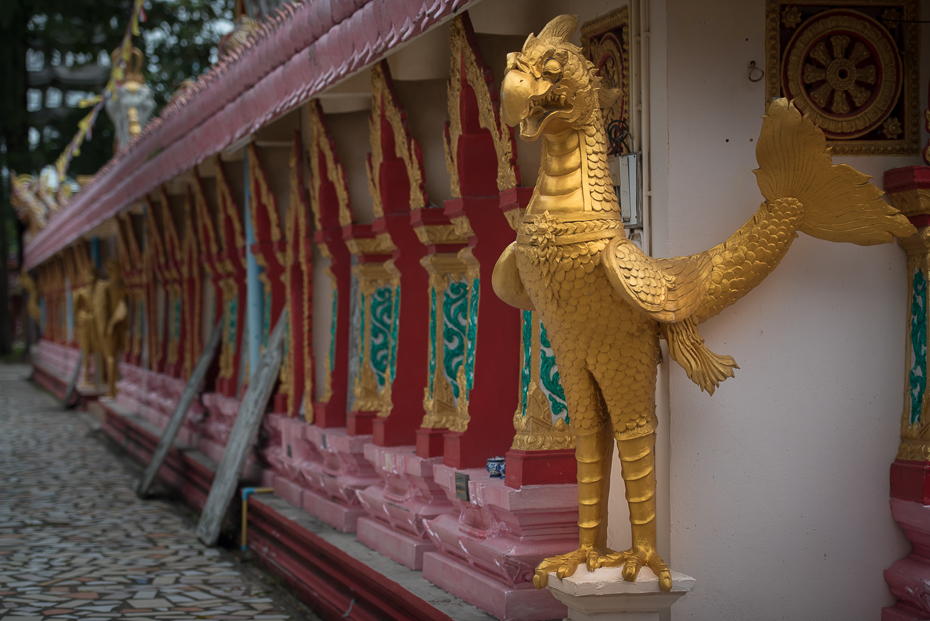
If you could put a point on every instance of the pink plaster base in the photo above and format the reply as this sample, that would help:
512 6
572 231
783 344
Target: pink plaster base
271 446
129 389
287 452
520 603
59 360
154 397
909 579
397 546
287 449
501 533
221 414
400 504
56 362
338 515
288 490
269 478
334 478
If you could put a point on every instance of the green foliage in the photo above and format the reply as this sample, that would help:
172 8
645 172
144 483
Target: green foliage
179 40
73 32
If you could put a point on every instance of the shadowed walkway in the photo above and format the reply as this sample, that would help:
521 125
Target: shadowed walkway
76 543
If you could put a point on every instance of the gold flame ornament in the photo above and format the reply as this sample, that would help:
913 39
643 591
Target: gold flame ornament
606 304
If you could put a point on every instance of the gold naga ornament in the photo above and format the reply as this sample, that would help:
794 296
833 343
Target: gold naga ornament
606 304
83 313
29 285
111 320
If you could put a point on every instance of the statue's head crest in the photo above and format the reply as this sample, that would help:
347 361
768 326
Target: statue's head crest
557 31
550 85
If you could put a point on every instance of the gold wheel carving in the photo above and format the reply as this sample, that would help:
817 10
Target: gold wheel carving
841 68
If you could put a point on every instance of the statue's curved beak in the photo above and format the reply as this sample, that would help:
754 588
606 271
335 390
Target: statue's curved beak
516 91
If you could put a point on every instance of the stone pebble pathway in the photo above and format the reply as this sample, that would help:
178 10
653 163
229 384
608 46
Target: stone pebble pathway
76 543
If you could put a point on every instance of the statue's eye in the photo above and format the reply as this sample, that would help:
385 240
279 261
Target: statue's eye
552 69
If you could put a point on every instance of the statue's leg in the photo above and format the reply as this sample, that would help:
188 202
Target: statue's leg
593 445
637 460
628 385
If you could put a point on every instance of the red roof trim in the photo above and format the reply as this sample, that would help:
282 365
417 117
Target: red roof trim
306 49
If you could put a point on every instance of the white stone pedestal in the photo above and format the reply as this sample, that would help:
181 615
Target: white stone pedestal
603 595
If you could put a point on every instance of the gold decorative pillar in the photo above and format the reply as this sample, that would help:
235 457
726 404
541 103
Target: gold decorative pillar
445 400
378 290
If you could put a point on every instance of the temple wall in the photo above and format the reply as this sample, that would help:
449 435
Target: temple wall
772 493
779 482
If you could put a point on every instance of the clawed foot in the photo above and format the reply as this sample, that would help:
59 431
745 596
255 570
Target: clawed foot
563 565
632 561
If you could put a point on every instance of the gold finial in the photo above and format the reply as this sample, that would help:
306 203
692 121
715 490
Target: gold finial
133 76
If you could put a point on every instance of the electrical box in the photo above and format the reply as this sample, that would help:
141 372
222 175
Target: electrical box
626 174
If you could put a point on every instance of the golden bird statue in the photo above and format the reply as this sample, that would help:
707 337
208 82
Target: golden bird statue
605 303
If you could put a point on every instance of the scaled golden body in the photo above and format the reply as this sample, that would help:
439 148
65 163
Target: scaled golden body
605 304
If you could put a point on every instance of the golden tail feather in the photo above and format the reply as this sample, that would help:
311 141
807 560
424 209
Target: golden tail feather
686 347
840 204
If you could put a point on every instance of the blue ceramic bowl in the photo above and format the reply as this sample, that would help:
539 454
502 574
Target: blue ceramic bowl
496 467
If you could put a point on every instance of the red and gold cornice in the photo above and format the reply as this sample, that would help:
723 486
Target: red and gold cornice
154 243
289 62
134 254
173 254
387 126
230 216
264 206
206 230
469 69
322 144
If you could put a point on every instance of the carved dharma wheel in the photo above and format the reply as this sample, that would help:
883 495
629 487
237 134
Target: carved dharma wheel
842 68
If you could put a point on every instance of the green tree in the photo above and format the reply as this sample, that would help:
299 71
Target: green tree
14 144
42 39
180 41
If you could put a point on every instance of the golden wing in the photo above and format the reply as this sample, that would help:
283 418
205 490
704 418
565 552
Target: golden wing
670 291
505 280
667 290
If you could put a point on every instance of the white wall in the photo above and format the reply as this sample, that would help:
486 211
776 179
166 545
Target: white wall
779 482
